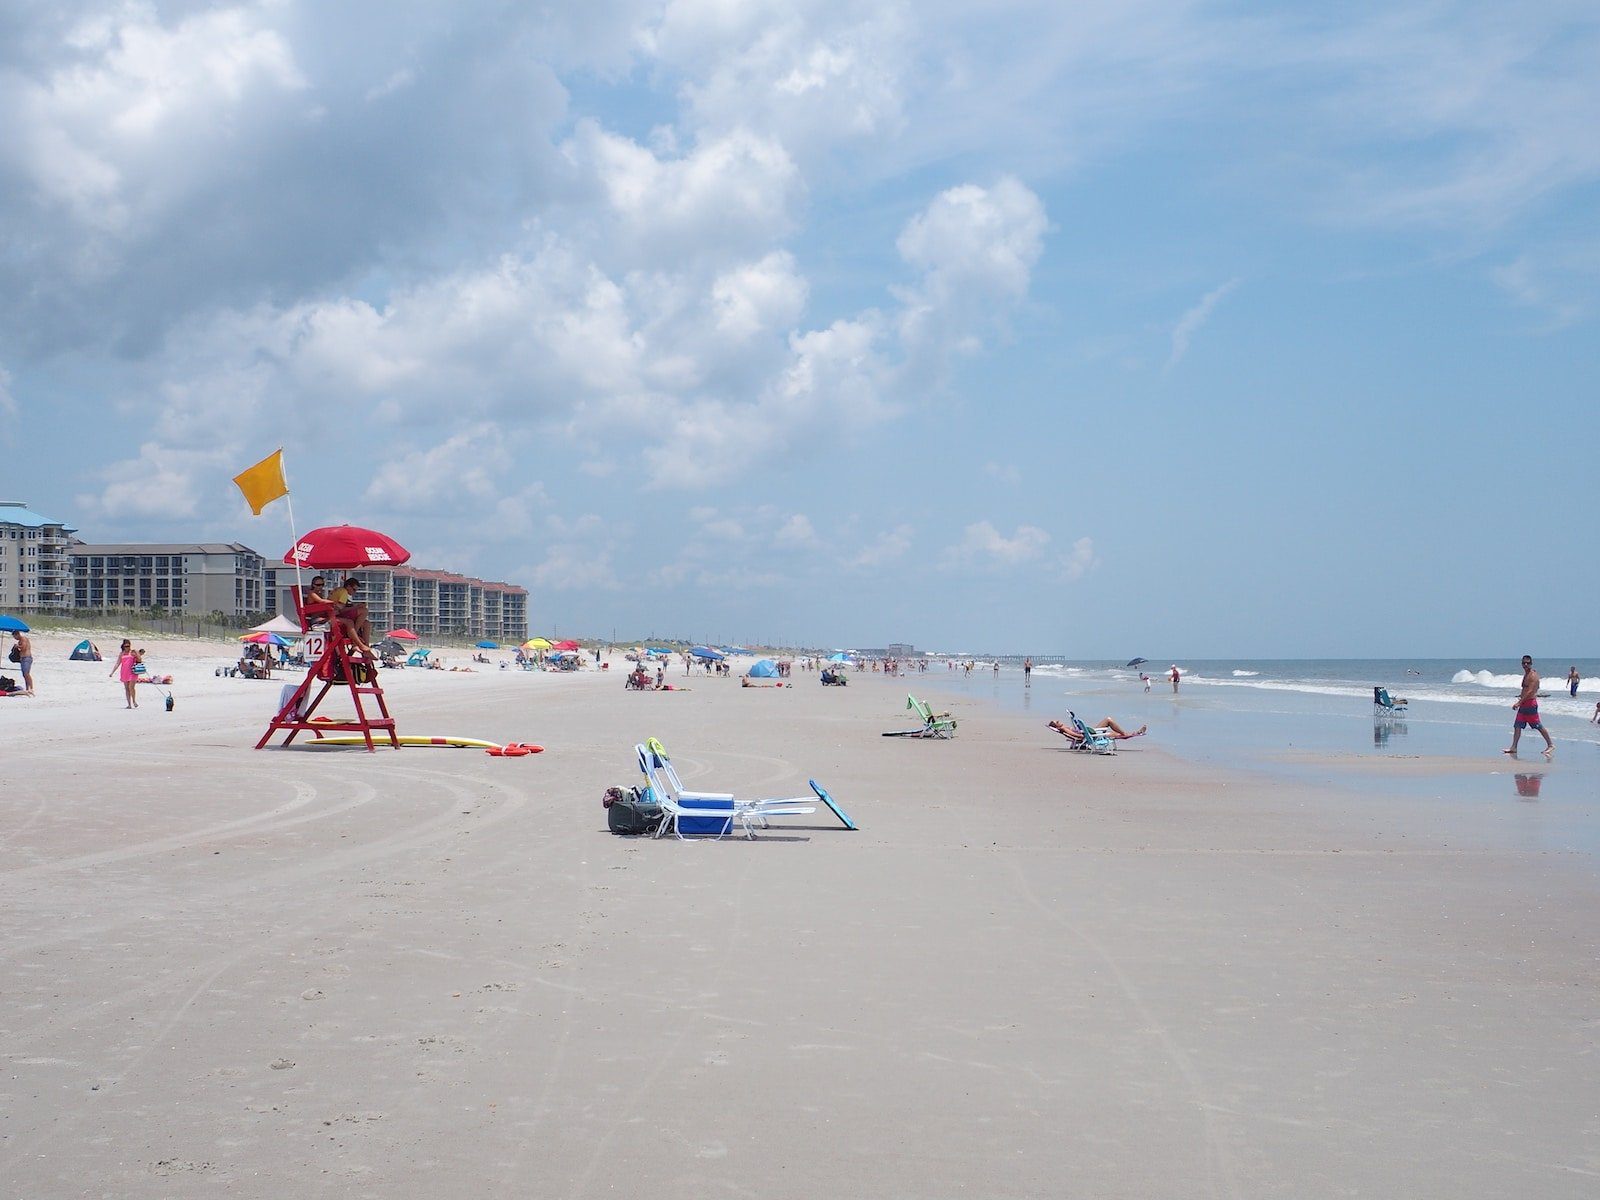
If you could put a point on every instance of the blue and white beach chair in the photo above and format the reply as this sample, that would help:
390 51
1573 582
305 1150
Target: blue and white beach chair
1092 741
1384 706
712 814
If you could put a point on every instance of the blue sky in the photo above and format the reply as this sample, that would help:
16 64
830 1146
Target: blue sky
1178 329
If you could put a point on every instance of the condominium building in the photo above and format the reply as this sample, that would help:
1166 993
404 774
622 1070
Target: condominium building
429 603
34 572
200 578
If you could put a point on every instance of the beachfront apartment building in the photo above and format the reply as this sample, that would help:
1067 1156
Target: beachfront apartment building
197 578
34 569
429 603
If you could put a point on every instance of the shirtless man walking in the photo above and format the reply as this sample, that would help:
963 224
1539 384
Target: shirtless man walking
1527 707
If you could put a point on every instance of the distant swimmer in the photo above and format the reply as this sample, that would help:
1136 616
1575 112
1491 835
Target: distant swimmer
1572 681
1527 707
1174 677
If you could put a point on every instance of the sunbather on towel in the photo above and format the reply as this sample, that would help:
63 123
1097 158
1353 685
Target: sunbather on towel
1106 726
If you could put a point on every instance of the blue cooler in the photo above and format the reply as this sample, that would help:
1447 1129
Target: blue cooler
707 826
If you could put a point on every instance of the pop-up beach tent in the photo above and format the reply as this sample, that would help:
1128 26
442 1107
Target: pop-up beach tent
763 669
85 651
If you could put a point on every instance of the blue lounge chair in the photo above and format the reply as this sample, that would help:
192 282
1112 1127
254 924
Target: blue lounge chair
1384 706
712 814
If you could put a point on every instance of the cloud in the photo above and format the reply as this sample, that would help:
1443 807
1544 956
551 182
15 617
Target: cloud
1004 472
797 532
1079 560
889 546
161 482
982 546
1194 320
458 472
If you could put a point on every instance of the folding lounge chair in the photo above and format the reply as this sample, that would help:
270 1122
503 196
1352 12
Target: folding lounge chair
1383 706
695 814
934 725
1092 741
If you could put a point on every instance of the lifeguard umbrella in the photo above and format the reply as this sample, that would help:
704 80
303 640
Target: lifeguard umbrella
13 625
345 548
568 644
402 635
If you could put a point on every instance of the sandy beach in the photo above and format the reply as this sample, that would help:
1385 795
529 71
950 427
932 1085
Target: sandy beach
433 973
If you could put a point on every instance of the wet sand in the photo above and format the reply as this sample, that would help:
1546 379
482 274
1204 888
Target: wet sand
1031 973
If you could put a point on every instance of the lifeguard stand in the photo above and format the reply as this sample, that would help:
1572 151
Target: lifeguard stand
331 662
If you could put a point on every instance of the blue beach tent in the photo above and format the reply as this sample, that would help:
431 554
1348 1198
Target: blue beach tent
85 651
764 669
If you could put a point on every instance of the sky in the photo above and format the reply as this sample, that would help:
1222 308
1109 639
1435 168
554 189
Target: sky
1149 327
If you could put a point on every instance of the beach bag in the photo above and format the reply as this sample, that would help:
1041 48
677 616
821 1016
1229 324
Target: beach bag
630 814
7 684
16 654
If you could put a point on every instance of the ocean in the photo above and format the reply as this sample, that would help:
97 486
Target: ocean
1289 718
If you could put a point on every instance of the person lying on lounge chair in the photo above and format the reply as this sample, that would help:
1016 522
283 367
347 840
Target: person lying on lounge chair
1106 726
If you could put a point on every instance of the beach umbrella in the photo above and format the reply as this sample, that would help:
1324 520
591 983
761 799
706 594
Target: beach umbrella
567 644
403 635
565 654
659 650
488 645
346 547
388 646
13 625
707 652
264 639
1137 662
538 643
840 657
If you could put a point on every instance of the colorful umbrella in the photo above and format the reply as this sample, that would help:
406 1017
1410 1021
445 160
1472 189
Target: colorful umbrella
264 639
403 635
536 644
346 547
568 644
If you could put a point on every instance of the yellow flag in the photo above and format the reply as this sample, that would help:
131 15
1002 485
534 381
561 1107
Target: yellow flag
263 483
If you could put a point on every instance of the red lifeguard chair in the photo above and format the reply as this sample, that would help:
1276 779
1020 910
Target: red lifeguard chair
332 660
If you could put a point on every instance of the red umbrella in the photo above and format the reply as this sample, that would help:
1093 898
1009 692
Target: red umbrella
403 635
346 547
568 645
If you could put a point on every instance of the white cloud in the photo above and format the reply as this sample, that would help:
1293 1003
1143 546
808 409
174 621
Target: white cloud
759 297
889 546
161 482
984 546
1004 472
796 532
459 472
1079 560
1194 320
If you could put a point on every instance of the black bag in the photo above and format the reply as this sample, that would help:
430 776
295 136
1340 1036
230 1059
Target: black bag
629 813
16 654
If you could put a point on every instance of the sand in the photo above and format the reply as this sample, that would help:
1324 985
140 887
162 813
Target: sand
432 973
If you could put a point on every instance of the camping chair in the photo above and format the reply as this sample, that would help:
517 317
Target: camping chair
694 814
1383 706
934 725
1092 741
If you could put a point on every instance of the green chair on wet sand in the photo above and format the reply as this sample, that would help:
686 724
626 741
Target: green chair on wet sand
934 725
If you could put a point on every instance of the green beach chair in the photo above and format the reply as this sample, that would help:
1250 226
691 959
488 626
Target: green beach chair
934 725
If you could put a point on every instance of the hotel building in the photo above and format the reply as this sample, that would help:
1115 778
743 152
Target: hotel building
196 578
34 571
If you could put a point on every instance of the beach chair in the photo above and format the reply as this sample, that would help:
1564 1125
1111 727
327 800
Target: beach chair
712 814
1091 741
1384 706
934 725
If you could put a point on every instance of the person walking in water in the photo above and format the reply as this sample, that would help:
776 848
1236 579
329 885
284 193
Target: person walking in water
1572 682
1027 672
1174 677
1527 707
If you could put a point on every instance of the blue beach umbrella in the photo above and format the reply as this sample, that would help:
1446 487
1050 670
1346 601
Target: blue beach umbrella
10 624
840 657
488 645
707 653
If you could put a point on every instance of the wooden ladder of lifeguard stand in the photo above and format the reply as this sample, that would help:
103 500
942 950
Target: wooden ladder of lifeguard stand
338 664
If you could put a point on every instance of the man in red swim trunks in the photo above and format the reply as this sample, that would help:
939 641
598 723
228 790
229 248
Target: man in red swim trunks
1527 707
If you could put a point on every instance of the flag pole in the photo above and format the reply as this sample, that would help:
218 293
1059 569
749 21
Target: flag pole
288 496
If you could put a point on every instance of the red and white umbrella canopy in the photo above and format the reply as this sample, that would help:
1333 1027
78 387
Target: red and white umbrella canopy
345 548
403 635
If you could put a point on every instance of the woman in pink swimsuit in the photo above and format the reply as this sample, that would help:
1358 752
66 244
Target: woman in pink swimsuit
126 661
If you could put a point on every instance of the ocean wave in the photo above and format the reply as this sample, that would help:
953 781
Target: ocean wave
1245 674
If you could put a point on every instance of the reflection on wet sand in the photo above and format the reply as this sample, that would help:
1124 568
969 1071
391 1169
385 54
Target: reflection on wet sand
1384 729
1528 784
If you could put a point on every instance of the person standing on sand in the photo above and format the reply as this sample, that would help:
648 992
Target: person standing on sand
1174 677
124 671
1527 707
1027 672
1572 682
22 655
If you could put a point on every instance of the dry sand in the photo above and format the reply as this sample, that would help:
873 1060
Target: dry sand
430 973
